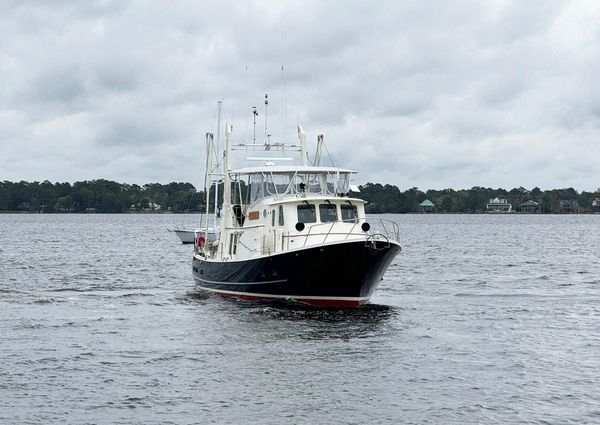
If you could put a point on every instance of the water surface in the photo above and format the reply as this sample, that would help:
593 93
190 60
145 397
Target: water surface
481 319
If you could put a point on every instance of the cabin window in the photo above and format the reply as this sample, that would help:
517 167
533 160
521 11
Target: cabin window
349 213
281 215
272 218
327 213
233 244
307 213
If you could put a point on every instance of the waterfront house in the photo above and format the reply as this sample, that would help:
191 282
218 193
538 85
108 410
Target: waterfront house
152 206
530 207
426 206
497 205
568 206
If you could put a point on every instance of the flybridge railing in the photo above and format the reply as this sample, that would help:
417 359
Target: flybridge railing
277 146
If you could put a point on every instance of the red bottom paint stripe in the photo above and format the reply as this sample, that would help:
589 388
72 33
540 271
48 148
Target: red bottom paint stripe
337 302
316 302
332 303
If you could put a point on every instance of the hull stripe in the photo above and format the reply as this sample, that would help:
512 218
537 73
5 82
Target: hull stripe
301 297
241 283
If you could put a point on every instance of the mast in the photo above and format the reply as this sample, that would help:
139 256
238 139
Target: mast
207 177
226 216
302 139
319 153
216 211
219 105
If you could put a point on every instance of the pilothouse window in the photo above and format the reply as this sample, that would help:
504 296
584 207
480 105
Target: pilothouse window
349 213
327 213
307 213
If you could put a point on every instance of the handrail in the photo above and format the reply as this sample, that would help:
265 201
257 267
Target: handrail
395 228
312 226
393 233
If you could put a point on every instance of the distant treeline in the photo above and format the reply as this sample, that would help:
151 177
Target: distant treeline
104 196
387 199
98 196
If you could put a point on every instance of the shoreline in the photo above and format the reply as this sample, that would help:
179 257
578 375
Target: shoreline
380 213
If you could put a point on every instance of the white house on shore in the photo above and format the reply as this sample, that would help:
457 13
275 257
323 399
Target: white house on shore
497 205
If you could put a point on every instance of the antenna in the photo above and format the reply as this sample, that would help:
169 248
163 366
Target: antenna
218 145
246 93
267 135
283 86
255 113
246 70
266 105
283 105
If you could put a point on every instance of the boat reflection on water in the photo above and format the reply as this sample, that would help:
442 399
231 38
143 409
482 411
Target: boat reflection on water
293 320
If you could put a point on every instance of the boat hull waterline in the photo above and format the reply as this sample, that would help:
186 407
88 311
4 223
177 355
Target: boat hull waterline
332 275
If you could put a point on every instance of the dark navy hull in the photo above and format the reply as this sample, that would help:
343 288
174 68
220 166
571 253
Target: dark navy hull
336 275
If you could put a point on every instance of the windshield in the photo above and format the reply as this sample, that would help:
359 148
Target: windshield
265 184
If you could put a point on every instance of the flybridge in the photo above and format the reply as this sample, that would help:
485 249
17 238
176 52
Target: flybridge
269 181
255 183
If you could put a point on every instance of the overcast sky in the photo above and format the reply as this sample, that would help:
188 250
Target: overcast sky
433 94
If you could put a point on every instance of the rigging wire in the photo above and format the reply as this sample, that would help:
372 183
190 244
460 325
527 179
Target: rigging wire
283 86
329 155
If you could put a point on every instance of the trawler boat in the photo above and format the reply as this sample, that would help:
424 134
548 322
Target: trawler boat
291 233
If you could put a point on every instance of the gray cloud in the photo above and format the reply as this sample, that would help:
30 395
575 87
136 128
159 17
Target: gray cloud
429 94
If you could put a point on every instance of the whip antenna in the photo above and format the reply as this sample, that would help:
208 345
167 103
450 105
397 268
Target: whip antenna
255 114
267 141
